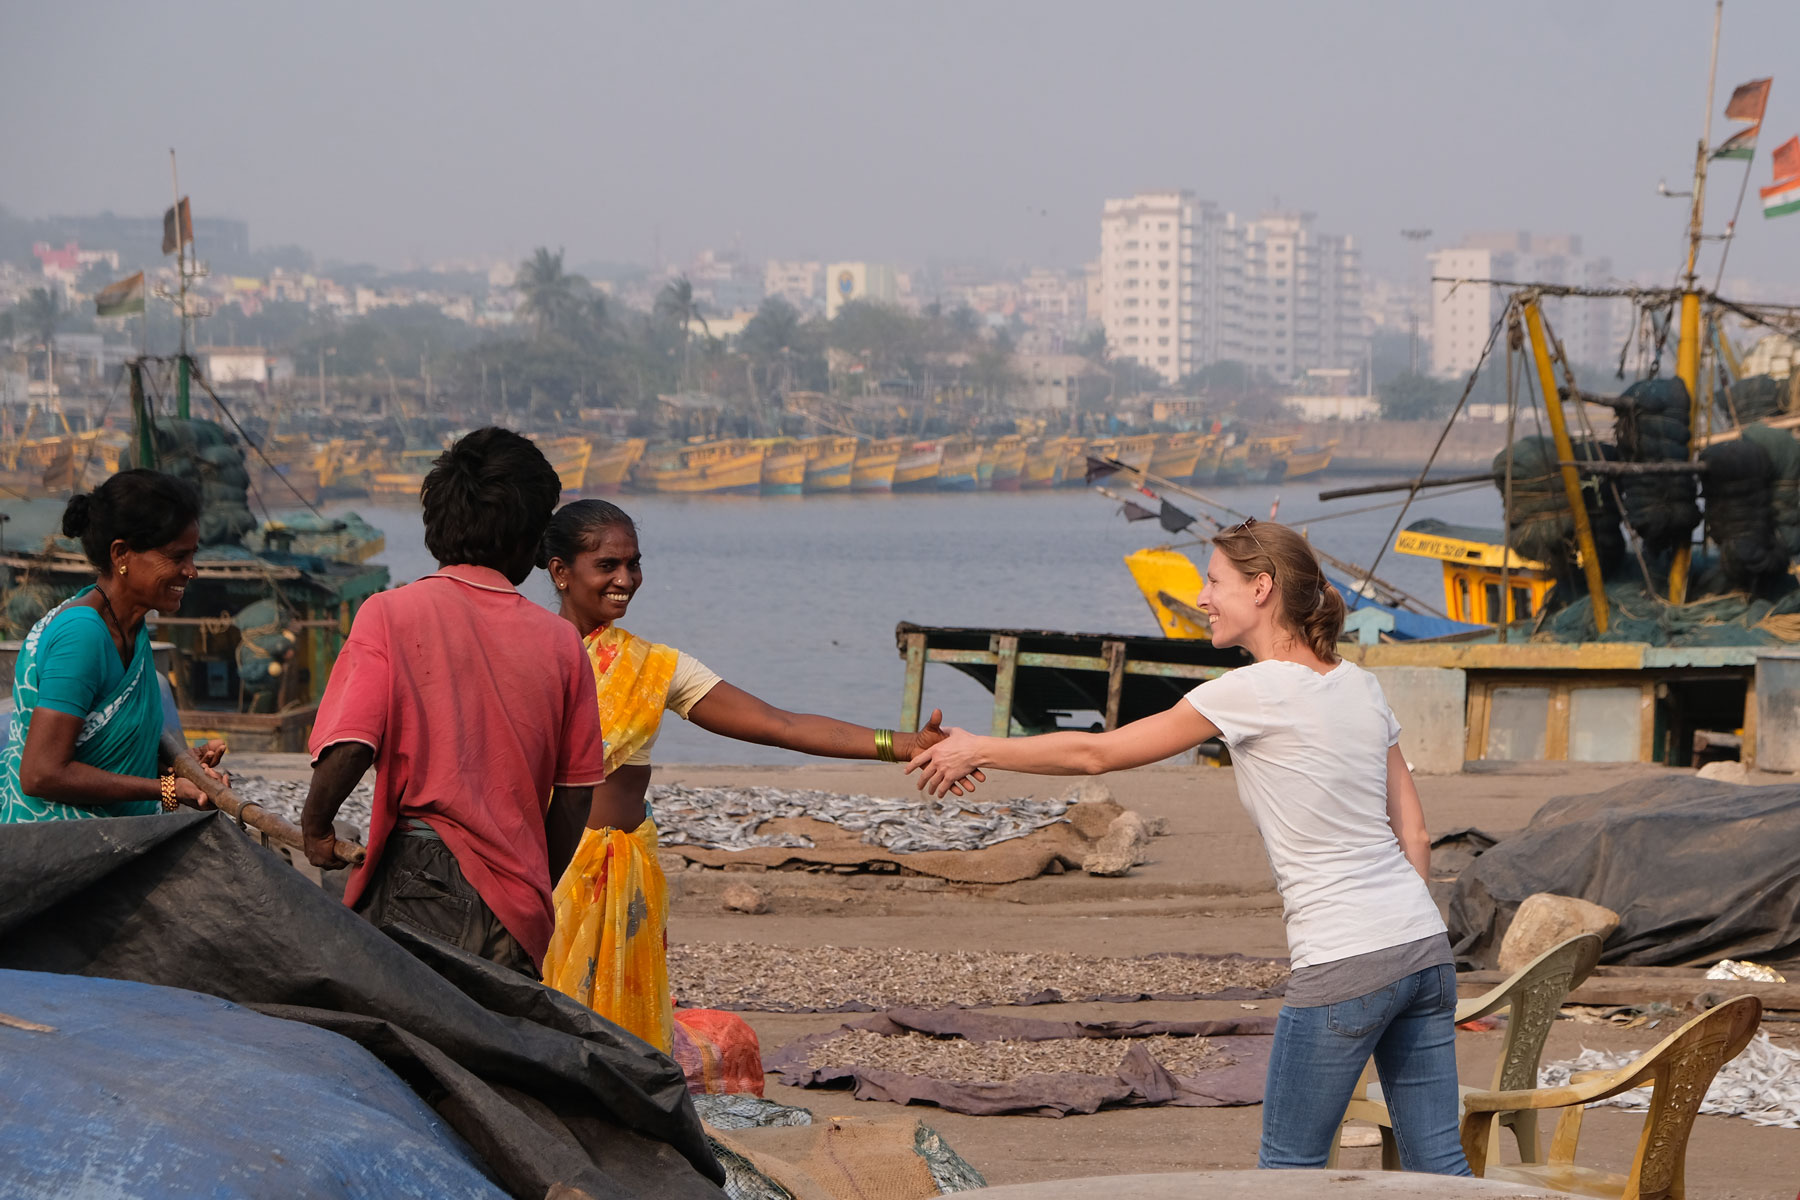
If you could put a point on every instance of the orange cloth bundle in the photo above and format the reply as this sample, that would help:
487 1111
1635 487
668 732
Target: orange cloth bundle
610 946
718 1052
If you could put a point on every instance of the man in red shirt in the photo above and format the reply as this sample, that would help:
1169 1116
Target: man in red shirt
476 708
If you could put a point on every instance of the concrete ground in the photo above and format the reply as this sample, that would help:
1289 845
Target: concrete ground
1208 890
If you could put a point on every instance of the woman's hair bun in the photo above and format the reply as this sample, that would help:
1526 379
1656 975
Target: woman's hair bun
76 515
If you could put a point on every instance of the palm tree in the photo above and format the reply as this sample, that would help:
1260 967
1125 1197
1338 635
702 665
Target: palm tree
677 303
552 296
773 336
39 314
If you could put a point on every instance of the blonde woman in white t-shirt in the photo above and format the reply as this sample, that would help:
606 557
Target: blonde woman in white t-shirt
1318 766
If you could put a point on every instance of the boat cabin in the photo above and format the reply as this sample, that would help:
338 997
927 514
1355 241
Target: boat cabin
1478 571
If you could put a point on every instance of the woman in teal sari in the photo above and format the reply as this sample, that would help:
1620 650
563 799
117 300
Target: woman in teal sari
87 709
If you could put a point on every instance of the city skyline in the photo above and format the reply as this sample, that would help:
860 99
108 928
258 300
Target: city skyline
939 134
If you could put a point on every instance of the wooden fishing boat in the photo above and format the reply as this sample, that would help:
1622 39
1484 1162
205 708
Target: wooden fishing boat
1177 455
1071 470
1003 464
732 467
876 464
569 455
960 470
1266 457
783 467
917 470
403 477
610 464
1043 463
1310 460
830 463
1134 451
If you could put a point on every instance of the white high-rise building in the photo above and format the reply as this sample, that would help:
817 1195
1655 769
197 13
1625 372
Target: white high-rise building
1463 314
1181 285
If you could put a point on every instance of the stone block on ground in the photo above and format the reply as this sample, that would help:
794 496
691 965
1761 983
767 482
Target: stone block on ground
742 898
1091 790
1725 771
1120 848
1546 920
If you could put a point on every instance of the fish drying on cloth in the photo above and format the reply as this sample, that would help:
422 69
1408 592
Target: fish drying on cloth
724 818
750 977
1762 1084
912 1055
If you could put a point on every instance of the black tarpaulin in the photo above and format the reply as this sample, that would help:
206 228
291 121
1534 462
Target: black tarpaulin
545 1089
1697 871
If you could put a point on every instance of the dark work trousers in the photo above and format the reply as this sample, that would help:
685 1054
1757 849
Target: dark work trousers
418 883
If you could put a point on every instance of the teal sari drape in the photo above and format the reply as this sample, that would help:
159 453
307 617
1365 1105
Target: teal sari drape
120 735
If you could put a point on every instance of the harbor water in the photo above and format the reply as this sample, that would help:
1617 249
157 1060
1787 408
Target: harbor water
795 599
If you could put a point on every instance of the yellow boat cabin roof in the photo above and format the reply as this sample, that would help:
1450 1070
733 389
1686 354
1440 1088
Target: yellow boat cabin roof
1464 545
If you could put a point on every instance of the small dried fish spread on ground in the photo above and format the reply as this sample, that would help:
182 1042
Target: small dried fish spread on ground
1006 1060
1762 1084
755 978
726 818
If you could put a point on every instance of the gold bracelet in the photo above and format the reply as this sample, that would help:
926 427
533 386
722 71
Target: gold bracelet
884 745
169 803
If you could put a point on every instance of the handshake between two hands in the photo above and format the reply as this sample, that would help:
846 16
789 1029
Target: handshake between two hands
948 760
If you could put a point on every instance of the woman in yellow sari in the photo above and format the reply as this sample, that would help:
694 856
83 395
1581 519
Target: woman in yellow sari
609 948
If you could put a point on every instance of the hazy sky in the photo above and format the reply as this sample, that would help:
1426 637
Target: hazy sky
404 131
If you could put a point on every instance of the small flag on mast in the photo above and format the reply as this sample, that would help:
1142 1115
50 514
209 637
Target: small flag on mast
1748 103
169 230
1783 196
121 299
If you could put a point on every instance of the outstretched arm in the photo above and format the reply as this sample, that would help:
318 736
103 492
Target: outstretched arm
1406 815
1149 740
340 768
734 713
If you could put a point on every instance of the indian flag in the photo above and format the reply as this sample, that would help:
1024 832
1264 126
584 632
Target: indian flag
1782 199
1783 196
122 298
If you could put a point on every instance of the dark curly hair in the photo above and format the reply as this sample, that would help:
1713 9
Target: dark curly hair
576 524
487 500
142 508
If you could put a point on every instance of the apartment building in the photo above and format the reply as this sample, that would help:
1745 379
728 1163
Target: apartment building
1181 284
1464 312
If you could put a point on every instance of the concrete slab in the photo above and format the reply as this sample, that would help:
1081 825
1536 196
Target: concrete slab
1261 1185
1429 702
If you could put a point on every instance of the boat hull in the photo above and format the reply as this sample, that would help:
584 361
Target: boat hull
609 466
875 465
918 469
830 465
783 473
716 470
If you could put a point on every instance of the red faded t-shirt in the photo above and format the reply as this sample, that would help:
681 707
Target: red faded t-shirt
476 701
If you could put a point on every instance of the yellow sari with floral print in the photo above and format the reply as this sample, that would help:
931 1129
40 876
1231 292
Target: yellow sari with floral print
610 948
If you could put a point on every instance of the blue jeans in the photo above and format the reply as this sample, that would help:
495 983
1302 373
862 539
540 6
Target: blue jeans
1410 1028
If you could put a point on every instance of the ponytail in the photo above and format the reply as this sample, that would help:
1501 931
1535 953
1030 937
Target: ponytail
1311 608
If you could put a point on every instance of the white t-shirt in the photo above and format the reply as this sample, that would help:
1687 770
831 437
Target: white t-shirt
687 687
1310 753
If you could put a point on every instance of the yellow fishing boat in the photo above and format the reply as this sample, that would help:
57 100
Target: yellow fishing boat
1310 460
783 466
570 455
732 467
1177 456
1043 462
917 470
609 465
830 463
1472 560
1071 471
1171 583
875 465
1135 451
1003 464
960 470
401 476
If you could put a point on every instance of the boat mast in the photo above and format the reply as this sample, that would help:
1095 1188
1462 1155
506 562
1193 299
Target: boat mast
1687 355
182 362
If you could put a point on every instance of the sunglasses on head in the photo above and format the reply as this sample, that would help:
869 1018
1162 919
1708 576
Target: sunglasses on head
1247 525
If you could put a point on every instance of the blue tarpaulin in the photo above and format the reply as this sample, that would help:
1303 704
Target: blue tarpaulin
136 1090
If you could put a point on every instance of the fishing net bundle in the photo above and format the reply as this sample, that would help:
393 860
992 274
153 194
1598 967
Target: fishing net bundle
1784 484
201 453
1540 525
1720 617
1759 397
1740 517
1651 425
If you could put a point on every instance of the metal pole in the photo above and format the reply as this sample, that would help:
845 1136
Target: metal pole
181 360
1687 354
140 415
1565 453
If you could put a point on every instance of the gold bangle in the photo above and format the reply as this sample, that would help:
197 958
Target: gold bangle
169 803
884 745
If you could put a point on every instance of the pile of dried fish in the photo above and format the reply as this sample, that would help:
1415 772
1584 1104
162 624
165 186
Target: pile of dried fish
726 818
286 796
753 978
1762 1084
1007 1060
